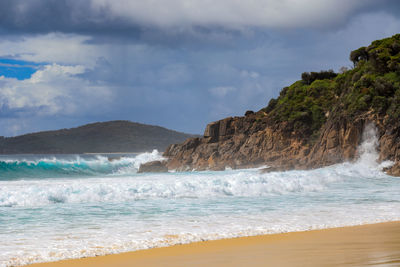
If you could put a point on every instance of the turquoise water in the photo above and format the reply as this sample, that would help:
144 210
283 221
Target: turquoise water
71 206
14 167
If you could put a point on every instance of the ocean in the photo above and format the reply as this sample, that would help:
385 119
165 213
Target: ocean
55 207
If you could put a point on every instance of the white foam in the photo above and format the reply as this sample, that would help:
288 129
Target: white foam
246 183
117 236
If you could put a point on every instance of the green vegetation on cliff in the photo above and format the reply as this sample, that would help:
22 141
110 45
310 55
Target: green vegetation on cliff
372 85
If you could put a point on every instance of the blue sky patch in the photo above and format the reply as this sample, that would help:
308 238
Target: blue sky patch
18 69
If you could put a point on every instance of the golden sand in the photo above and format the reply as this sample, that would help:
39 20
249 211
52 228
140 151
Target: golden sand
375 244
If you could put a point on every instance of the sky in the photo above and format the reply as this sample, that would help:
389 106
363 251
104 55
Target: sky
179 64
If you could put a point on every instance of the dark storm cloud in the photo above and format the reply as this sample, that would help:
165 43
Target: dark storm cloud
126 20
391 7
176 67
79 17
43 16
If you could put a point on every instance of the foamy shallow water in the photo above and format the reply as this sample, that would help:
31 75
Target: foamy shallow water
91 206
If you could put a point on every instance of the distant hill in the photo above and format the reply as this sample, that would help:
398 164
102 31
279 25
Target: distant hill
100 137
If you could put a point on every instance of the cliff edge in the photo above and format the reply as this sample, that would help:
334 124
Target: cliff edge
316 121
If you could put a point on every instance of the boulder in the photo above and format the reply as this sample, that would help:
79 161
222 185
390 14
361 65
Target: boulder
153 166
394 170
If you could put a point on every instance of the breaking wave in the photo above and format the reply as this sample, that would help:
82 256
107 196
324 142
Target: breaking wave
79 165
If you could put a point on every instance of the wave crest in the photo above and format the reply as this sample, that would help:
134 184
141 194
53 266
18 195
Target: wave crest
53 167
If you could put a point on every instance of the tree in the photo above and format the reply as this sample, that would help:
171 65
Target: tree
359 54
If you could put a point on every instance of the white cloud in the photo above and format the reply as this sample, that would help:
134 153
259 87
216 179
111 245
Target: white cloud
53 47
251 74
55 89
232 13
221 91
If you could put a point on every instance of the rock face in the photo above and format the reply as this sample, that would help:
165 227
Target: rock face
243 142
395 170
226 143
153 166
238 142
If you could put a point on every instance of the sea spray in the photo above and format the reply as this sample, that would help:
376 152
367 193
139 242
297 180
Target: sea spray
367 151
368 154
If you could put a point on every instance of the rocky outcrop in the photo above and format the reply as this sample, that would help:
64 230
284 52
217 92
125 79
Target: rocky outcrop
239 142
153 166
243 142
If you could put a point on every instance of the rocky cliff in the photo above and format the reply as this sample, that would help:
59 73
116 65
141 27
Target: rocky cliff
316 121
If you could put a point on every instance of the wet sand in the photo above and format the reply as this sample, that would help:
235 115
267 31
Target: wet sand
366 245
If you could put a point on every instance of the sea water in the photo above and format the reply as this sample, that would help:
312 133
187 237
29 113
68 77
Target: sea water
72 206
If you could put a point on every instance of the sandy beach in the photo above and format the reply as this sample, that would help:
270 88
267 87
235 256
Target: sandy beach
372 245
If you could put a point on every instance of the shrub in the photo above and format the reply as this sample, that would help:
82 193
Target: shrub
271 105
248 113
379 104
309 77
383 87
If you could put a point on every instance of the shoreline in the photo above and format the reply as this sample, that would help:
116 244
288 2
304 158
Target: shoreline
369 244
